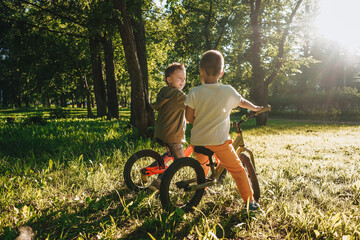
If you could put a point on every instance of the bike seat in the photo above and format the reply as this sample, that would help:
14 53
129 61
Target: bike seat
204 150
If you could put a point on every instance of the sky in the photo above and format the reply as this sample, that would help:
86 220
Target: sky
339 20
160 2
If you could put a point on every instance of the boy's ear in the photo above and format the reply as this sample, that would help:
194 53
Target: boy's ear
202 71
168 80
222 73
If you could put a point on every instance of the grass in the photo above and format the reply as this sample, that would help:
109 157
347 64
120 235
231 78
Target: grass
64 180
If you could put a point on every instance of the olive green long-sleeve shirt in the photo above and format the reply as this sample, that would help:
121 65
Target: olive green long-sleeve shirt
170 124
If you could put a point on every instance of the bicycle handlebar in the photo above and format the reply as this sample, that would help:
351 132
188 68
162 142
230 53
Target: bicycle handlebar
252 114
265 109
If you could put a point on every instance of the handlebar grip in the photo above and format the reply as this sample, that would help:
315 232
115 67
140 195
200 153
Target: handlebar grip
251 114
265 109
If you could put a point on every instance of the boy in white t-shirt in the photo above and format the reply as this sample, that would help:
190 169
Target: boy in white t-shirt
208 107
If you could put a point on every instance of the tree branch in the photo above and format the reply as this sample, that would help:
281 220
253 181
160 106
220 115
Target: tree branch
255 12
54 13
207 23
279 60
222 32
44 28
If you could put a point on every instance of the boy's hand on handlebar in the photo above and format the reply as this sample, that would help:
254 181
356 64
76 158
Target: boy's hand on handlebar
263 109
257 108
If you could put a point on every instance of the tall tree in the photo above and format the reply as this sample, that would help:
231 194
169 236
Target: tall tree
111 83
138 94
140 42
261 78
88 98
99 84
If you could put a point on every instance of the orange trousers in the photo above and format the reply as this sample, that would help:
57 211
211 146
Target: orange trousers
231 162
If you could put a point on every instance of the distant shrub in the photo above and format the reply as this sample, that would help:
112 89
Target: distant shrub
36 119
336 104
59 113
10 119
339 101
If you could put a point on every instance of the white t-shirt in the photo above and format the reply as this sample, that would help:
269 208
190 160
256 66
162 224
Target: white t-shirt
212 104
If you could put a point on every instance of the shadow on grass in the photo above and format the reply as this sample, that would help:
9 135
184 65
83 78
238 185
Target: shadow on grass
173 225
93 217
165 225
103 217
86 219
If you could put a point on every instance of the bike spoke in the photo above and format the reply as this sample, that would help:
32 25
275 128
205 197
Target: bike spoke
179 188
140 180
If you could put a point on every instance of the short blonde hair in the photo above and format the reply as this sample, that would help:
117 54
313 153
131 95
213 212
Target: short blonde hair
212 62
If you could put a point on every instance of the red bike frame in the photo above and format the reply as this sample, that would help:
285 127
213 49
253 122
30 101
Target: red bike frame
149 171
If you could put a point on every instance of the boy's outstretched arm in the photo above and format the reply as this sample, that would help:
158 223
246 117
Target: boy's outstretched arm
189 114
248 105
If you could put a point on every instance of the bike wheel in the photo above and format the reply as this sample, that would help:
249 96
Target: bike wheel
254 183
175 188
132 170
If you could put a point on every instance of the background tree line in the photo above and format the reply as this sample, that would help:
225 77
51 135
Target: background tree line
112 53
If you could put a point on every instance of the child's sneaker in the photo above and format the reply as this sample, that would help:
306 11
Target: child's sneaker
252 206
155 185
144 177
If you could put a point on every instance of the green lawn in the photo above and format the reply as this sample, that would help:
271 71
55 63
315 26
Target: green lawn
64 180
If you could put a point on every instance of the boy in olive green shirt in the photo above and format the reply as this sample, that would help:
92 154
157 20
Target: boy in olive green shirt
170 124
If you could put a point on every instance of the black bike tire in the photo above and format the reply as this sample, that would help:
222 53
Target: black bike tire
169 174
130 162
251 175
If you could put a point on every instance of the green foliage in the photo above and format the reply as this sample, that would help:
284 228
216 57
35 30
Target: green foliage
202 25
159 32
44 54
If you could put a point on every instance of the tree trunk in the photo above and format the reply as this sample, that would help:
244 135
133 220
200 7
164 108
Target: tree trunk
258 87
17 101
206 27
260 83
62 100
111 83
138 97
88 98
73 101
46 101
26 101
56 101
4 98
305 74
140 42
99 85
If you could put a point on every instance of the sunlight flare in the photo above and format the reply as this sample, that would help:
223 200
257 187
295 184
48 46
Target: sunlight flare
339 21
